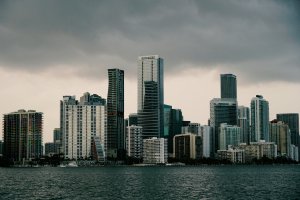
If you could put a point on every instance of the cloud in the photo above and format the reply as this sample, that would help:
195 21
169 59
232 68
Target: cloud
257 39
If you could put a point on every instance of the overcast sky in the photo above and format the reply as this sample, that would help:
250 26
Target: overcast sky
53 48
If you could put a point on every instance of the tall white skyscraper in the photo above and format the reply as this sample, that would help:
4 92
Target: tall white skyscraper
259 119
81 122
151 96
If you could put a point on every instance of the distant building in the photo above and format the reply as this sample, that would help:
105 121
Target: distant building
292 120
244 123
294 153
173 123
1 148
133 119
229 135
23 133
258 150
228 86
232 154
134 141
194 128
222 111
259 119
57 140
50 149
187 146
80 123
115 114
151 96
207 136
280 134
155 151
167 120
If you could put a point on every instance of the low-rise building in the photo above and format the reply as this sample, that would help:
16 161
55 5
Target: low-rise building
155 151
233 155
258 150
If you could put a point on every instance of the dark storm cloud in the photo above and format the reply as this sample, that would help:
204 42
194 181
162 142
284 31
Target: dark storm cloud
257 39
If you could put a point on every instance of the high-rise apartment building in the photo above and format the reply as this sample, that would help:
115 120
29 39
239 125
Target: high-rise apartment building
155 150
206 133
81 122
57 140
259 119
292 120
222 111
134 141
228 86
151 96
229 135
187 146
172 125
280 134
23 131
244 123
115 114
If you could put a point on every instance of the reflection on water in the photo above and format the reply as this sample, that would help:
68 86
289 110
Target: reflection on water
202 182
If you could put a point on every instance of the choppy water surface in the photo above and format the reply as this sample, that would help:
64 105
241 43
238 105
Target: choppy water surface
201 182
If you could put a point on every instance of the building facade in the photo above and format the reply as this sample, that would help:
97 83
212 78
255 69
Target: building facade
80 123
50 149
244 123
206 133
187 146
292 120
115 114
151 96
23 134
134 141
234 155
259 119
229 135
280 134
222 111
155 151
258 150
57 140
228 86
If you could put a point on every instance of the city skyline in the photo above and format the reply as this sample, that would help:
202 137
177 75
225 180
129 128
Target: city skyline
54 55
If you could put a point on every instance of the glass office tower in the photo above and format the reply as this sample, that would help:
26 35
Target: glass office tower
228 86
151 96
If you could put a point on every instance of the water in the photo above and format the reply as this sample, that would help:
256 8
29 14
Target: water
201 182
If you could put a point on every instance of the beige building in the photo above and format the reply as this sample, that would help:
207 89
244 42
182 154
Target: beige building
257 150
187 146
281 135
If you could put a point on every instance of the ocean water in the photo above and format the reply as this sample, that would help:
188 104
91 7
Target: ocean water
199 182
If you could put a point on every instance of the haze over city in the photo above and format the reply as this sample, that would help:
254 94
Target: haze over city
54 48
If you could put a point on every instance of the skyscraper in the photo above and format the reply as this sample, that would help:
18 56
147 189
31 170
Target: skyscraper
115 114
222 111
229 135
259 119
23 131
81 122
244 123
280 134
151 96
228 86
292 120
